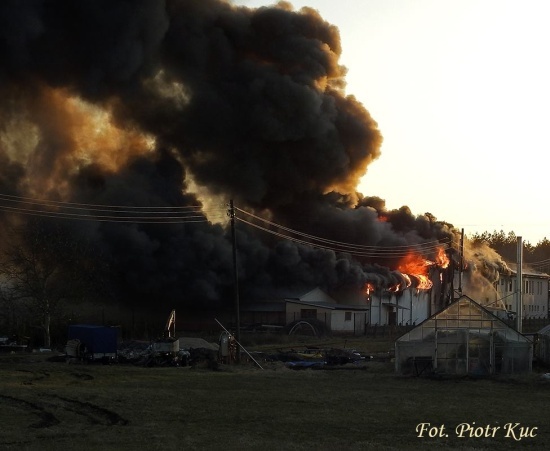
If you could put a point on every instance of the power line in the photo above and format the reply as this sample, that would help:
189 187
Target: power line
128 219
374 252
77 205
114 213
194 214
541 262
345 247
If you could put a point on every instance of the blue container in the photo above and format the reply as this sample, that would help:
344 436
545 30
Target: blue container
99 340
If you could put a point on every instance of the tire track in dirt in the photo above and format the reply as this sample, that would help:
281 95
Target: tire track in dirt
44 410
34 376
93 413
47 419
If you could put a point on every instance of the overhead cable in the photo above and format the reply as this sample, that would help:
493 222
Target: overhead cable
85 206
373 252
110 213
129 219
345 247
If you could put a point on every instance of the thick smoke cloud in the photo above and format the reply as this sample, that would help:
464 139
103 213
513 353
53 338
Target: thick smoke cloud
184 103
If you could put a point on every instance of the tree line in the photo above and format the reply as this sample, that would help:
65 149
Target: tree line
506 245
43 271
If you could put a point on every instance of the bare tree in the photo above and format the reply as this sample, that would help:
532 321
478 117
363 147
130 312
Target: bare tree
13 314
43 268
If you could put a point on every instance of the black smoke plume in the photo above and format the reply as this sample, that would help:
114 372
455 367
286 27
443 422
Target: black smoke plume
191 103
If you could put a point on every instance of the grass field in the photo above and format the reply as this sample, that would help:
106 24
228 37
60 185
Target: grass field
58 406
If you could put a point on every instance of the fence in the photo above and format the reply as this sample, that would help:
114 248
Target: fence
532 325
529 325
323 317
386 331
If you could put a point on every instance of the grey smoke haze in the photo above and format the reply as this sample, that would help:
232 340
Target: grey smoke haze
201 97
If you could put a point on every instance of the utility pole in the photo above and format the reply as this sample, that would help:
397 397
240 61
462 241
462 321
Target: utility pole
519 283
461 263
235 280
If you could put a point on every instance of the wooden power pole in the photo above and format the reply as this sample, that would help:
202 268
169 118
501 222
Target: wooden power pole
235 280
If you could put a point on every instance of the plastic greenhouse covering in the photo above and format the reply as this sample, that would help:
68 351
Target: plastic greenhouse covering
464 338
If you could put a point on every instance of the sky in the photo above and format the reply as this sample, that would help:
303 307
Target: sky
460 91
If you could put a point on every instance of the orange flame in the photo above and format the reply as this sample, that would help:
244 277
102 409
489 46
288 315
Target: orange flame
442 259
368 288
408 280
424 282
413 264
416 266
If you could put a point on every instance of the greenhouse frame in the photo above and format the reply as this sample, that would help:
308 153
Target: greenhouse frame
463 339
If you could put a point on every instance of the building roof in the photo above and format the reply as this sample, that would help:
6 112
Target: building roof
264 306
329 306
463 314
527 271
317 296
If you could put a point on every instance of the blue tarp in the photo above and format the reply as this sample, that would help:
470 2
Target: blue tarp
97 339
302 364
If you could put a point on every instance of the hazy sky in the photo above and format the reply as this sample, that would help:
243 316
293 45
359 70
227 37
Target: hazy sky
460 90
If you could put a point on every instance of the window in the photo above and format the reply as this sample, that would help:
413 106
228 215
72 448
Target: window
348 316
308 313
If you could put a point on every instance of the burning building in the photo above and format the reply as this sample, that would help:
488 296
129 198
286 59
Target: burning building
131 124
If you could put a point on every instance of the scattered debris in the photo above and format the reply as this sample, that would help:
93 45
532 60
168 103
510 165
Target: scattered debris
12 345
196 352
188 343
163 352
317 358
185 351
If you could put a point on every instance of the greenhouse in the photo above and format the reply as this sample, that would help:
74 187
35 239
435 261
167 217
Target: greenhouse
464 338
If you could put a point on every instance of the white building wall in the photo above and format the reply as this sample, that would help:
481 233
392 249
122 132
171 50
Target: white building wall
378 314
411 306
535 294
416 307
294 312
339 322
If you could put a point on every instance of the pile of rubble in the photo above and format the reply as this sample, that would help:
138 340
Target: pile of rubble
316 358
197 352
167 352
